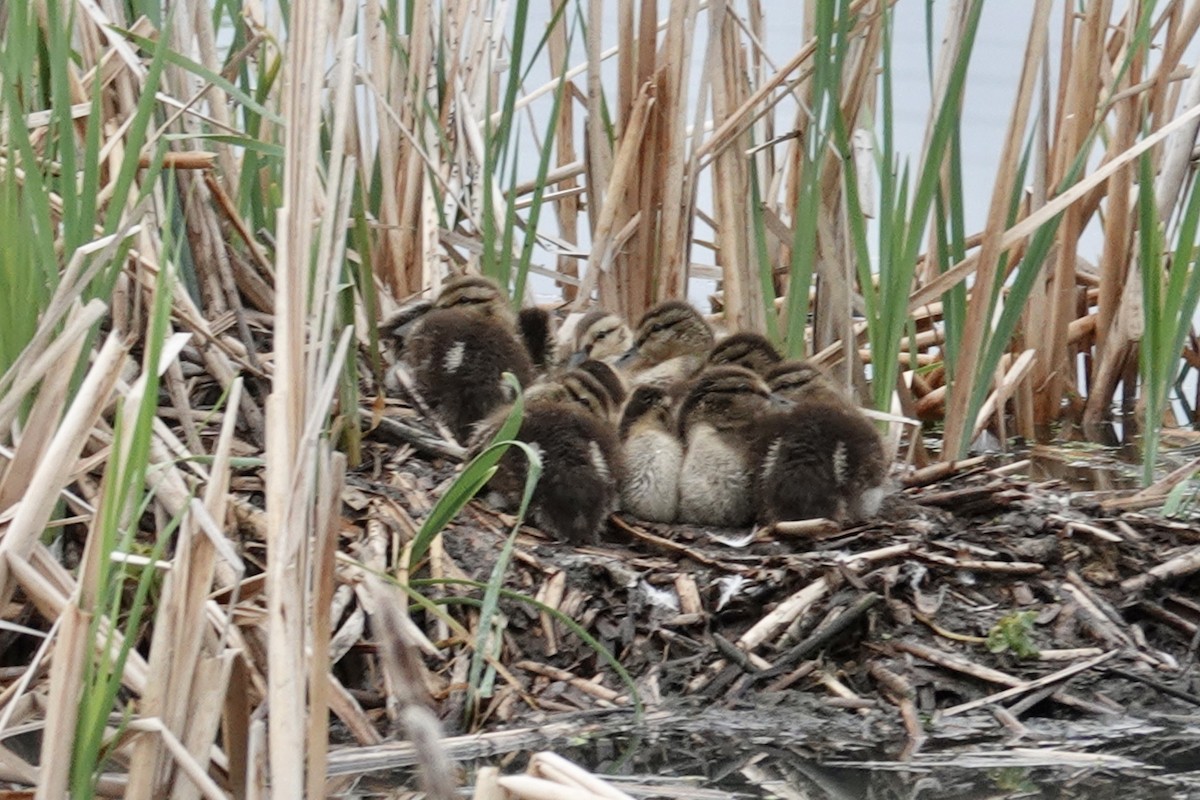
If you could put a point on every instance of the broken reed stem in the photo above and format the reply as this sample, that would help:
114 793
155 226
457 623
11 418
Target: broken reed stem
600 259
289 499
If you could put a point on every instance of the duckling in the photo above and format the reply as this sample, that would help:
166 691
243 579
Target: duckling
600 336
819 459
750 350
460 348
653 456
716 423
803 380
581 468
671 345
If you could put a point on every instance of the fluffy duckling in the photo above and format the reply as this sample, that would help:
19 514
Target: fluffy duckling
717 421
459 350
750 350
804 381
823 458
581 468
653 456
600 336
671 345
819 459
567 424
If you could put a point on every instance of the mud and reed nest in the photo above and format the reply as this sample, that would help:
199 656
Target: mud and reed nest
980 605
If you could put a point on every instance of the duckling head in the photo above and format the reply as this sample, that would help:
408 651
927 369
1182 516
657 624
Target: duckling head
648 405
608 378
803 381
575 387
600 336
669 330
478 295
750 350
727 398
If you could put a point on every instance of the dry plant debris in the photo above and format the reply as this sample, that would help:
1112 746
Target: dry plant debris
984 595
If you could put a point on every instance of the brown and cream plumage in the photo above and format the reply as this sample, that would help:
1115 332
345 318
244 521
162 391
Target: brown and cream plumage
750 350
653 456
600 336
821 458
671 345
717 421
459 349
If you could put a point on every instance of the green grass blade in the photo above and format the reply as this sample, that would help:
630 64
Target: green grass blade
477 686
473 478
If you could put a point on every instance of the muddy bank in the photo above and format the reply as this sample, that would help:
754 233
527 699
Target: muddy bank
984 609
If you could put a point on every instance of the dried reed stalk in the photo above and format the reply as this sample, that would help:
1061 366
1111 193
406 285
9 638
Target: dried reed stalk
978 312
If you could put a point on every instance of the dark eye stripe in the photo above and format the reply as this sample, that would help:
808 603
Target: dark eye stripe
737 388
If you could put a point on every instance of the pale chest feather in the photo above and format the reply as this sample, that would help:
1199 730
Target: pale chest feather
650 491
715 481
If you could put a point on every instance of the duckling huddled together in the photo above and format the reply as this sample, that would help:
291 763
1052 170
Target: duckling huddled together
661 421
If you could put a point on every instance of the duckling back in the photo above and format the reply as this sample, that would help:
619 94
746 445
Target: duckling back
581 464
819 459
716 423
458 358
653 456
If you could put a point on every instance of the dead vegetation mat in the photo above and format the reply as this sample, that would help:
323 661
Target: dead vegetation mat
981 605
